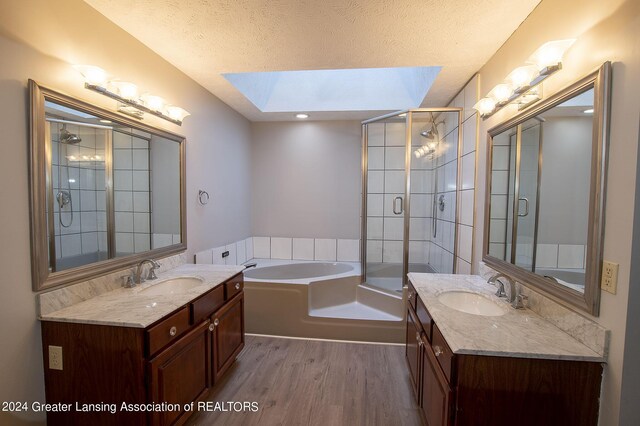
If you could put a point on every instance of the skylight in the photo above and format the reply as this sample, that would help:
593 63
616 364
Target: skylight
364 89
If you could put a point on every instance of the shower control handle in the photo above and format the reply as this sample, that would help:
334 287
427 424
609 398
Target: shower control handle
395 210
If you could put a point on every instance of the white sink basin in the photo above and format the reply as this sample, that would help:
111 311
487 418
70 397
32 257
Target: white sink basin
172 286
471 303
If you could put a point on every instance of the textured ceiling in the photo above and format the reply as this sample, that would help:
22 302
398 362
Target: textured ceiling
208 38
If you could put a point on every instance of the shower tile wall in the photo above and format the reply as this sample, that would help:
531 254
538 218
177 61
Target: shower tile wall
131 184
79 169
466 99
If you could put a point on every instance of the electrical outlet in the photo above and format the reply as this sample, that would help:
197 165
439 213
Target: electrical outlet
225 254
609 277
55 357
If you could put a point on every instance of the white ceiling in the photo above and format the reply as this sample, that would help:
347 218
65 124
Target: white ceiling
208 38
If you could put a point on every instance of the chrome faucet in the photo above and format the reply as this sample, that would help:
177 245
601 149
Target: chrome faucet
514 297
151 275
250 265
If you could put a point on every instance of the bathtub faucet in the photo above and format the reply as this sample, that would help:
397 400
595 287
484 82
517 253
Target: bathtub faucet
250 265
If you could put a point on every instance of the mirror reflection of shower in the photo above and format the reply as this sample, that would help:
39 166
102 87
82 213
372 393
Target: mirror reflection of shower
63 197
431 134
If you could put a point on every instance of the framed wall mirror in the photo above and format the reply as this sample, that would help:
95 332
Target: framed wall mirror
106 191
544 211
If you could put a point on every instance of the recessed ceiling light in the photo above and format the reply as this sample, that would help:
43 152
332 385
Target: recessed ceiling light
105 121
302 116
588 111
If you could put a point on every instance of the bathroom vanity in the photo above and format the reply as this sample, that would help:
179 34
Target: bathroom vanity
498 366
166 341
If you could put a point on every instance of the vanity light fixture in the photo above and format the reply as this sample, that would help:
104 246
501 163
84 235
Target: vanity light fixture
302 116
521 85
126 93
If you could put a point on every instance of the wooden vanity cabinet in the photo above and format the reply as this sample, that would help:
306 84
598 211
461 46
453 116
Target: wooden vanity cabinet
479 390
180 374
227 335
175 360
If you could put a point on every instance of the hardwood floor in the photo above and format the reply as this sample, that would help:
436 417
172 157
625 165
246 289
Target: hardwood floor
305 382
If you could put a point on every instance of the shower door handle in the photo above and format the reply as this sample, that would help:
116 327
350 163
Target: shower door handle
395 210
526 207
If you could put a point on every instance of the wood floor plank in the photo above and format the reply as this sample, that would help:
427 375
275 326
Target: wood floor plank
307 382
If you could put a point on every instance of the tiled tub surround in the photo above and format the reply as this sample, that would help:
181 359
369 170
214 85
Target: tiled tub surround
517 333
282 248
577 326
56 300
132 307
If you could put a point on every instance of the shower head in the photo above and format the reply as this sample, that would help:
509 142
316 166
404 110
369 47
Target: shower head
429 134
67 137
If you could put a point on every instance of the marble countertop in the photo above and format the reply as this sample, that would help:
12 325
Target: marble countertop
518 333
131 307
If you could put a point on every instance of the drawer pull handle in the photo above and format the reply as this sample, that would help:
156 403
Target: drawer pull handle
237 286
216 322
420 344
438 350
417 336
211 327
410 296
173 331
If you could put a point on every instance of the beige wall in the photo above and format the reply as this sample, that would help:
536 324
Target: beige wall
39 40
606 30
306 179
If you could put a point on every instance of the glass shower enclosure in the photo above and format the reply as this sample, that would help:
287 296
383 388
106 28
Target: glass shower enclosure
410 164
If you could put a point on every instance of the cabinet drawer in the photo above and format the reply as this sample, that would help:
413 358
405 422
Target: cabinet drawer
443 354
424 318
412 296
167 330
206 305
234 286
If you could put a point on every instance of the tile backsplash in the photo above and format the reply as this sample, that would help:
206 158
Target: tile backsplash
283 248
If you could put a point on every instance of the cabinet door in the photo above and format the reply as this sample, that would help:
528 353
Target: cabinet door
179 374
436 395
412 352
228 335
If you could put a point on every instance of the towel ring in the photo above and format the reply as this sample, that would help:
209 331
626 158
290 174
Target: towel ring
203 197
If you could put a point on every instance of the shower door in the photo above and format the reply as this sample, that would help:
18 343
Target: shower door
410 174
528 187
385 201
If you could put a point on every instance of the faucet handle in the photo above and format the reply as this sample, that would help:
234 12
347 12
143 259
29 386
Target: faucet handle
500 292
127 281
518 302
151 275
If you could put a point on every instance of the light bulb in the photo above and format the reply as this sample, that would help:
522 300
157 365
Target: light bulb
501 93
550 54
485 106
153 102
94 76
125 89
521 77
176 112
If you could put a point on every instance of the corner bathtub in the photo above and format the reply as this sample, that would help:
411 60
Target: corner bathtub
272 270
318 300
